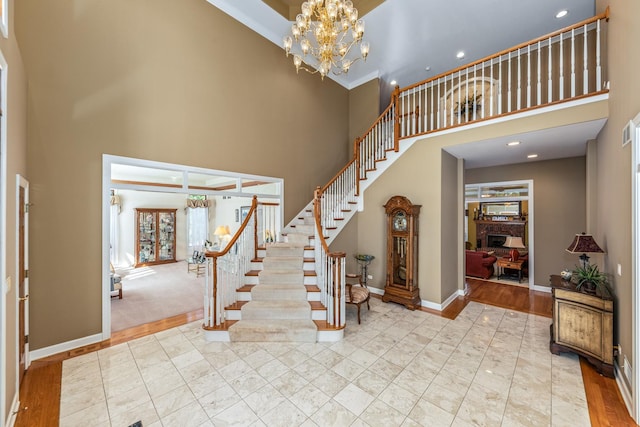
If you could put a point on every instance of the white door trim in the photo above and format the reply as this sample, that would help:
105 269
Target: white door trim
530 220
21 182
635 273
109 160
3 242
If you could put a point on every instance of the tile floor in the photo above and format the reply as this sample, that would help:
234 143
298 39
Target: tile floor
488 367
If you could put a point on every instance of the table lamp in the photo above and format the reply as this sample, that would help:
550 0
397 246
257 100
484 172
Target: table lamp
584 243
514 243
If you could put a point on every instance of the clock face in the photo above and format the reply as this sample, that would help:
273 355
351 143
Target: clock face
400 222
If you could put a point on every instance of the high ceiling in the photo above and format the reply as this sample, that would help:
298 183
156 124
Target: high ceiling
409 36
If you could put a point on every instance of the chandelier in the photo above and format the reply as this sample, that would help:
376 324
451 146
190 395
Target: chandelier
325 33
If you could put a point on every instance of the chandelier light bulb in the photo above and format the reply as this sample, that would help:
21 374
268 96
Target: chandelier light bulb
288 43
364 50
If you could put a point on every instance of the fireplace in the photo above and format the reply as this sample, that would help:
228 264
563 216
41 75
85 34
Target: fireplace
496 240
491 235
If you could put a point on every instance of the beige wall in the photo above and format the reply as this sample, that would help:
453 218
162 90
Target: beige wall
364 109
16 156
170 81
451 215
559 200
613 183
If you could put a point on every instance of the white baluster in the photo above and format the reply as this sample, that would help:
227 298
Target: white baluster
598 68
491 88
519 90
585 56
539 81
528 76
550 78
573 63
500 85
509 84
474 93
561 82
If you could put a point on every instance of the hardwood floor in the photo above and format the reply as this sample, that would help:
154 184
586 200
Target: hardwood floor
40 390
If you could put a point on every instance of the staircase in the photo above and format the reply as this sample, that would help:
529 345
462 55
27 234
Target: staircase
279 301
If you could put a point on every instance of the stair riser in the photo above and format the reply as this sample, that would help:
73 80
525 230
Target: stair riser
282 263
262 293
283 251
308 253
307 266
246 296
281 279
253 280
250 313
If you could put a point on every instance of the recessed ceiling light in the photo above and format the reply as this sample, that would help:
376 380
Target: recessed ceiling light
562 13
393 82
512 143
460 55
532 156
428 68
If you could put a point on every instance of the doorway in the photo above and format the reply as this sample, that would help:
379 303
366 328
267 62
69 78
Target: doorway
495 214
123 174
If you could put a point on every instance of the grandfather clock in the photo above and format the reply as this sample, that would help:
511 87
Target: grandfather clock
402 252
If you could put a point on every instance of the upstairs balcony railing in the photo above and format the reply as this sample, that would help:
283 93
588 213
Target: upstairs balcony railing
562 66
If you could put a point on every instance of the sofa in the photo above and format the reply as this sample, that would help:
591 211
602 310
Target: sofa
479 264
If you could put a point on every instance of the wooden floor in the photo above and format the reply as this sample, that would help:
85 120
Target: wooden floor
40 389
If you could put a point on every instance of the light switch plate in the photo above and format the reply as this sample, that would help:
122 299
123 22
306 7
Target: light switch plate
619 270
7 285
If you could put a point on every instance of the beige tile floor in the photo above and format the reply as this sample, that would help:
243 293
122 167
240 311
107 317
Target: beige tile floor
488 367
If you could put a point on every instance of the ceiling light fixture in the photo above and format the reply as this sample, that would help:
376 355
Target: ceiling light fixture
460 55
393 82
532 156
562 13
513 143
325 32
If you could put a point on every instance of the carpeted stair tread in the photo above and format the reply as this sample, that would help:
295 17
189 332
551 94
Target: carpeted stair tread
283 250
279 292
282 263
277 309
278 330
281 277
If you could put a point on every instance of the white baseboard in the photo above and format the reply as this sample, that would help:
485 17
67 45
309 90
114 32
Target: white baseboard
376 291
540 288
425 303
13 412
64 346
624 390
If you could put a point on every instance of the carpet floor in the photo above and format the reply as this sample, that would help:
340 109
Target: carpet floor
154 293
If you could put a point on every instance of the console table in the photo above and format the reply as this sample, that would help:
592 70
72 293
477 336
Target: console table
582 324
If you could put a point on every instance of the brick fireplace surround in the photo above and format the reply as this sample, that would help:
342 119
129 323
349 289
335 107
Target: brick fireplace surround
485 228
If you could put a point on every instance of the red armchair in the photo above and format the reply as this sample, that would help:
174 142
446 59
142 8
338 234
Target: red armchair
479 264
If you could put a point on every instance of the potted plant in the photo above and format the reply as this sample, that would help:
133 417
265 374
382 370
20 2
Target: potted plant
589 279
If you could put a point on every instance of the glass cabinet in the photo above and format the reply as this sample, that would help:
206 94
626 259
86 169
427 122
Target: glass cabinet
155 236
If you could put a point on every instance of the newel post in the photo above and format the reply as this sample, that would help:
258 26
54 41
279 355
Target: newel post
396 119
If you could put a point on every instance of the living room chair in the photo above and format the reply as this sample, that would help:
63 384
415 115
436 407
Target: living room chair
116 283
357 293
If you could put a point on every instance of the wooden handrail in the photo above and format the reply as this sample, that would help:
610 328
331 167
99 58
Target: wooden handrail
234 239
603 15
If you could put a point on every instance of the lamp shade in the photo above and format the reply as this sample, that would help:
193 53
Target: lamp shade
584 243
514 242
222 230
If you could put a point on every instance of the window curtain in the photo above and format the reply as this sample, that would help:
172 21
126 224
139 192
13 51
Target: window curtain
197 224
114 243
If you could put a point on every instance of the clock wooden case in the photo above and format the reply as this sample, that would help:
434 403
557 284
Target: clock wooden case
402 252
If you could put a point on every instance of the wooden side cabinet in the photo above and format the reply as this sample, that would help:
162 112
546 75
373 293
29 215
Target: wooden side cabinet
155 236
582 324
